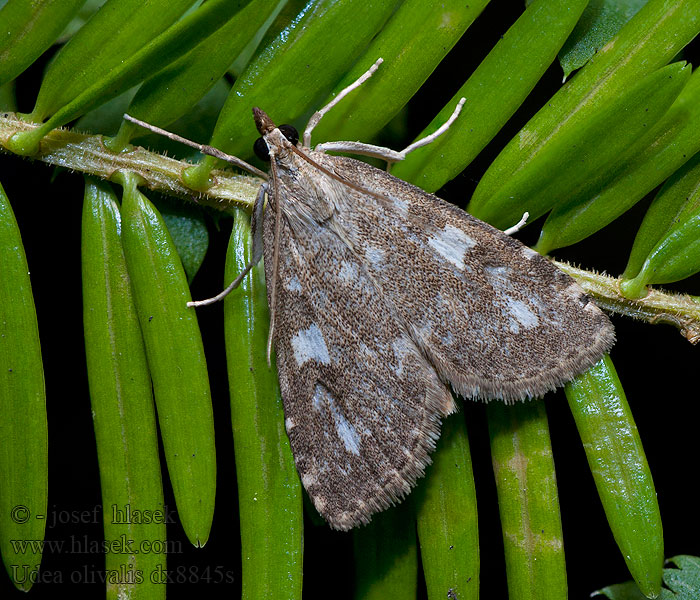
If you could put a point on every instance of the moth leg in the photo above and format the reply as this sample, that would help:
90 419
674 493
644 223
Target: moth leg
256 250
519 225
387 154
380 152
316 117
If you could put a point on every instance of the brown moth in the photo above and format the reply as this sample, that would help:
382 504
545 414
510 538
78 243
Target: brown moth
382 298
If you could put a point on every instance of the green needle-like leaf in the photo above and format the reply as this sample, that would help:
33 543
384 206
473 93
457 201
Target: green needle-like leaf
657 154
118 30
122 407
298 67
586 153
27 29
493 93
521 452
646 43
23 429
173 91
599 23
175 358
668 240
677 200
446 517
386 555
414 41
625 591
620 471
269 490
101 87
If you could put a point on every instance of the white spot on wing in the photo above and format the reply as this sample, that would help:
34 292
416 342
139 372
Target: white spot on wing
345 430
375 256
348 272
351 440
522 313
425 329
399 353
289 424
498 276
573 291
308 344
528 253
401 206
293 284
366 352
402 350
452 243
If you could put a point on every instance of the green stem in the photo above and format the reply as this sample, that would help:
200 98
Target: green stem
658 306
87 154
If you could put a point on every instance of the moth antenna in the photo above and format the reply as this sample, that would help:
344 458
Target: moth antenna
318 115
275 259
518 226
203 148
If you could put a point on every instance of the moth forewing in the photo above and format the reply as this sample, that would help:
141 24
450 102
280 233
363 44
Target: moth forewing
496 319
362 404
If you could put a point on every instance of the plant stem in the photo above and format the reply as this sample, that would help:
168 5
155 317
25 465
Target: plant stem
87 154
658 306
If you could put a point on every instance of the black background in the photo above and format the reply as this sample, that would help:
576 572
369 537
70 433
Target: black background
655 365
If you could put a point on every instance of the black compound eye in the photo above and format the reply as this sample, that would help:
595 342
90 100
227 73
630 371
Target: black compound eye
260 149
290 133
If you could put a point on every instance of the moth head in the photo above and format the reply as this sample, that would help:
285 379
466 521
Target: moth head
266 127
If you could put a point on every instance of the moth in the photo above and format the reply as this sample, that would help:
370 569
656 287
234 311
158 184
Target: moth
384 300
